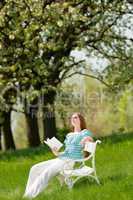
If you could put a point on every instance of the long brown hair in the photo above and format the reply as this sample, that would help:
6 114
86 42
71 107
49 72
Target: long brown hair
82 126
82 121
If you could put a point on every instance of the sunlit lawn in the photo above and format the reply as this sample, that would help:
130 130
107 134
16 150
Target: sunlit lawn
114 162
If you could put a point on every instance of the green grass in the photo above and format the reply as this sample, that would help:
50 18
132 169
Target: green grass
114 162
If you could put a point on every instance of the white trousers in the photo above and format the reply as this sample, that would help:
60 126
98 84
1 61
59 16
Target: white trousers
41 173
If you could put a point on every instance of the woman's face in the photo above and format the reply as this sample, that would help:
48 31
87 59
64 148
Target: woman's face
75 121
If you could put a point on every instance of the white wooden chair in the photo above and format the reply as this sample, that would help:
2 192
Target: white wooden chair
72 175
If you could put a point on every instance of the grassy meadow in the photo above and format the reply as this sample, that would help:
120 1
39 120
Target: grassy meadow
114 162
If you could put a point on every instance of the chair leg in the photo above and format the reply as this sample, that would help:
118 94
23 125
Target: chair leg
69 182
97 180
61 179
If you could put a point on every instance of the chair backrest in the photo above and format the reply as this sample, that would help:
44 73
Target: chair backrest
91 146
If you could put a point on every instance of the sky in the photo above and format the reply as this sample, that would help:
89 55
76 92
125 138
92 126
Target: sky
96 63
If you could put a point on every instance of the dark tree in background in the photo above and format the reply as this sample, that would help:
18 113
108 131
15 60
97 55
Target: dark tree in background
8 137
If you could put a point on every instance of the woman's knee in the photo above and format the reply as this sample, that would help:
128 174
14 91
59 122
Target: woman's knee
42 165
33 168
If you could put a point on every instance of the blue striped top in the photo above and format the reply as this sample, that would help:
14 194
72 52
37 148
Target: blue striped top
73 148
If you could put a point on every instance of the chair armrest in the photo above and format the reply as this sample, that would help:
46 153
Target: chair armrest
98 141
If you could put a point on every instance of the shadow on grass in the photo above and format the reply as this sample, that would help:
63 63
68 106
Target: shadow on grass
103 181
84 181
117 138
113 178
28 152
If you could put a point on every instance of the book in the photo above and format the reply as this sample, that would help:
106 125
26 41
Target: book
53 143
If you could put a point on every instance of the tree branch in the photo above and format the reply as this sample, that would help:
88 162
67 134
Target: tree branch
90 76
69 68
102 52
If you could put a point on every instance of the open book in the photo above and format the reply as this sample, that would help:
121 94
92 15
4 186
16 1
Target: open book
53 143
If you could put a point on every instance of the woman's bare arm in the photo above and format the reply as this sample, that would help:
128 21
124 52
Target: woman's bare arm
56 152
86 139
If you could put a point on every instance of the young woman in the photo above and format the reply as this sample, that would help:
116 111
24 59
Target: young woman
41 173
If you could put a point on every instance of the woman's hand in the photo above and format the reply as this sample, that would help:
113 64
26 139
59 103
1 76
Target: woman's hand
86 139
55 151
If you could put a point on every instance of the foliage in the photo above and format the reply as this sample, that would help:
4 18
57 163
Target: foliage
37 37
68 100
100 108
119 74
125 106
61 133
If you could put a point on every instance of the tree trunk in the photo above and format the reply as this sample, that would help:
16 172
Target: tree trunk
8 137
33 131
49 122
